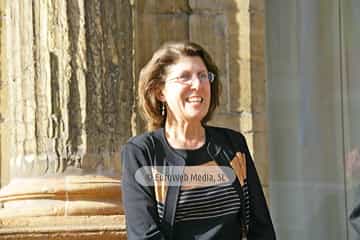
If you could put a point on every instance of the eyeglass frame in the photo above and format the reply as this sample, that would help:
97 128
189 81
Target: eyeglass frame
210 78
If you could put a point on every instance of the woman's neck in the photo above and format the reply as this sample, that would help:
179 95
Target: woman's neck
185 135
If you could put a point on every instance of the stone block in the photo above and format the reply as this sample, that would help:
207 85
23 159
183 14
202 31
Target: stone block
61 196
64 228
226 120
219 6
161 7
257 5
259 122
242 122
246 122
30 146
259 96
210 31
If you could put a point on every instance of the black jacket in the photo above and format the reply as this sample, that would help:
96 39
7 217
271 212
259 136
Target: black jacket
140 202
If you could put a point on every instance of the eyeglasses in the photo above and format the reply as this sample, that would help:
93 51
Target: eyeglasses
187 79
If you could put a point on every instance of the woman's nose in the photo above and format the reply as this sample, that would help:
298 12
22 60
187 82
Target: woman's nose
196 82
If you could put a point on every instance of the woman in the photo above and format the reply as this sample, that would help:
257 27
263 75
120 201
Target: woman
179 91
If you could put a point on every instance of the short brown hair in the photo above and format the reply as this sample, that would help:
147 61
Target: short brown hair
153 74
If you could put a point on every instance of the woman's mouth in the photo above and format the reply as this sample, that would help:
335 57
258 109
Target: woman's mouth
195 99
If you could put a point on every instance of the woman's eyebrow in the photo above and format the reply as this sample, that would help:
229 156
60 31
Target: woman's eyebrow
202 71
184 72
189 71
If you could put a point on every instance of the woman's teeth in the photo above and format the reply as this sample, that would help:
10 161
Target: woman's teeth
195 99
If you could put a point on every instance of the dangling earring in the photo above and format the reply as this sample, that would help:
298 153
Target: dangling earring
163 109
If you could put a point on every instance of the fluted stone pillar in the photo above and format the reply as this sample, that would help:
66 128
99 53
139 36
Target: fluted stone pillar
66 105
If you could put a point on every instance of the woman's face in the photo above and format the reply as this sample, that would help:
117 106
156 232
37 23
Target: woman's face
187 90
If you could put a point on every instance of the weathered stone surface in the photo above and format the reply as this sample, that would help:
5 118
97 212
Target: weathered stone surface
69 85
163 7
64 228
66 98
4 153
109 97
240 121
257 48
155 22
56 196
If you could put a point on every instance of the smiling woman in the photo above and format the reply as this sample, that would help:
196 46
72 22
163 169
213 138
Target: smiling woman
187 97
161 70
179 90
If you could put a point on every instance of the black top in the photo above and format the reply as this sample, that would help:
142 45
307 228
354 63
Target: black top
141 201
206 212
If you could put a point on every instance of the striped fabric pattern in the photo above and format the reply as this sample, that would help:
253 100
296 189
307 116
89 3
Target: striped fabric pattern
207 202
246 202
160 209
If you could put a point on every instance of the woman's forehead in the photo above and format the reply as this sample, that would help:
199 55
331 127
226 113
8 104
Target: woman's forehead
188 63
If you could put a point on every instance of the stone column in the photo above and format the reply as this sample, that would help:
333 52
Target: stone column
66 97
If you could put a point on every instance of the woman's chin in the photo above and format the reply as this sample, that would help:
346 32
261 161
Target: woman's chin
196 117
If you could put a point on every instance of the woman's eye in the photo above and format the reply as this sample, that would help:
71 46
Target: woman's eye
203 76
185 77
